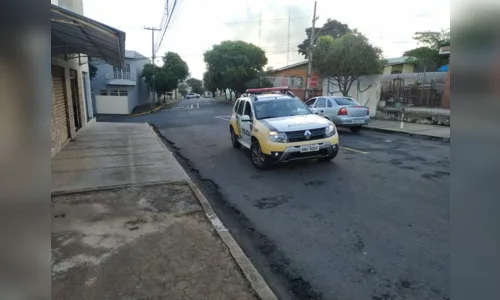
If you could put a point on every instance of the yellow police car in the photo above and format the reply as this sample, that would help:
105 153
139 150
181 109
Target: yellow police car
278 127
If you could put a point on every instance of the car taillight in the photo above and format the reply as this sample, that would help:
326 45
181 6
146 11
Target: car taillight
343 111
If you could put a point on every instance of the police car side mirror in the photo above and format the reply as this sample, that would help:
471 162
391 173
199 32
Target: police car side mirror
245 118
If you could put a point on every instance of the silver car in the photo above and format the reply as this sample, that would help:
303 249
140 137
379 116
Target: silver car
342 111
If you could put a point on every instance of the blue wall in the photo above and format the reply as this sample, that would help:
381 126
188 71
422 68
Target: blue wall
138 94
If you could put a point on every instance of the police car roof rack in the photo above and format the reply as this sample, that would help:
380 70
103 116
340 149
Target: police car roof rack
283 90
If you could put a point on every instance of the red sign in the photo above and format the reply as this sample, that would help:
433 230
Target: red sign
314 81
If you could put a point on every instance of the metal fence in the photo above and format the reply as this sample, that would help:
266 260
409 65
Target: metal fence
413 89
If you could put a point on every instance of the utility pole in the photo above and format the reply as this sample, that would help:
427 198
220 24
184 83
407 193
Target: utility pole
288 39
153 29
310 51
260 24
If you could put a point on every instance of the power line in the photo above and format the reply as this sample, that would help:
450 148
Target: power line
153 60
227 24
165 27
310 50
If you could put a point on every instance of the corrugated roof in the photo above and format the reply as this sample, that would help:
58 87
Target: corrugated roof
396 61
290 66
73 33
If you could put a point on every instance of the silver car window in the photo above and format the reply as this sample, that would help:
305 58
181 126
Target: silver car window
345 101
320 103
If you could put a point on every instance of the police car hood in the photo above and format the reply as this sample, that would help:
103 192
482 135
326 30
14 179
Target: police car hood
292 123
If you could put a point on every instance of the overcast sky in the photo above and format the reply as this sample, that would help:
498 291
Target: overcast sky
198 24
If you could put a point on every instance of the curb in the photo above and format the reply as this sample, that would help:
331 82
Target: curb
149 112
224 100
252 275
415 135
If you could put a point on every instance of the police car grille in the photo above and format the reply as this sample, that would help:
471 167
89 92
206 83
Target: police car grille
297 136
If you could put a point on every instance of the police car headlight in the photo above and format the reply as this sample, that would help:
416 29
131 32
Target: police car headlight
330 130
277 137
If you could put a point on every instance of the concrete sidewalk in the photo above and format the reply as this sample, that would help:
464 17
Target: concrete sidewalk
128 223
420 130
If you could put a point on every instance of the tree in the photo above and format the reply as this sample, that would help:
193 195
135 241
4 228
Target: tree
345 59
260 82
148 71
210 82
231 64
332 28
173 70
433 39
196 85
183 88
428 52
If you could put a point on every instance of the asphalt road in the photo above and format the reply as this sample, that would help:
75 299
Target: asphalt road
372 224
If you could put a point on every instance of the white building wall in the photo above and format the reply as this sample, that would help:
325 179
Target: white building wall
73 5
112 105
366 90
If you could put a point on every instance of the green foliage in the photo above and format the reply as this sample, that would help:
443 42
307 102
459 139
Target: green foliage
173 70
433 39
196 85
332 28
231 64
260 82
428 53
210 83
148 72
183 88
345 59
423 55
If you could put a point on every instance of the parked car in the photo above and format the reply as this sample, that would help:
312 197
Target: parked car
342 111
191 95
279 128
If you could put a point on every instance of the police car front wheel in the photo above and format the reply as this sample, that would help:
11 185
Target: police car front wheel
259 159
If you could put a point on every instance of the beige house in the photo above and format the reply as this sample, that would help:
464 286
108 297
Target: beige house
398 65
74 38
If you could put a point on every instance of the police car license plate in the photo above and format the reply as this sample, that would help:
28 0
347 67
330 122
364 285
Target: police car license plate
359 121
309 148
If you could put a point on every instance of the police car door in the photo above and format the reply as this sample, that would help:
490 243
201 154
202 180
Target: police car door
246 126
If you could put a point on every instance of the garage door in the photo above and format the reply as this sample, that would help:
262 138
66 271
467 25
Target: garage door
60 132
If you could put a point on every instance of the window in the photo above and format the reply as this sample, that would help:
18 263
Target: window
240 107
345 101
280 108
235 108
114 93
124 93
103 92
310 102
329 103
320 103
248 110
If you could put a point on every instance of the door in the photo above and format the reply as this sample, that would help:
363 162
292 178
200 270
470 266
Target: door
88 100
247 126
330 109
59 115
320 106
75 99
238 110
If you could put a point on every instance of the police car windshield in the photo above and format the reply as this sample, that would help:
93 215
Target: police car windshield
280 108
